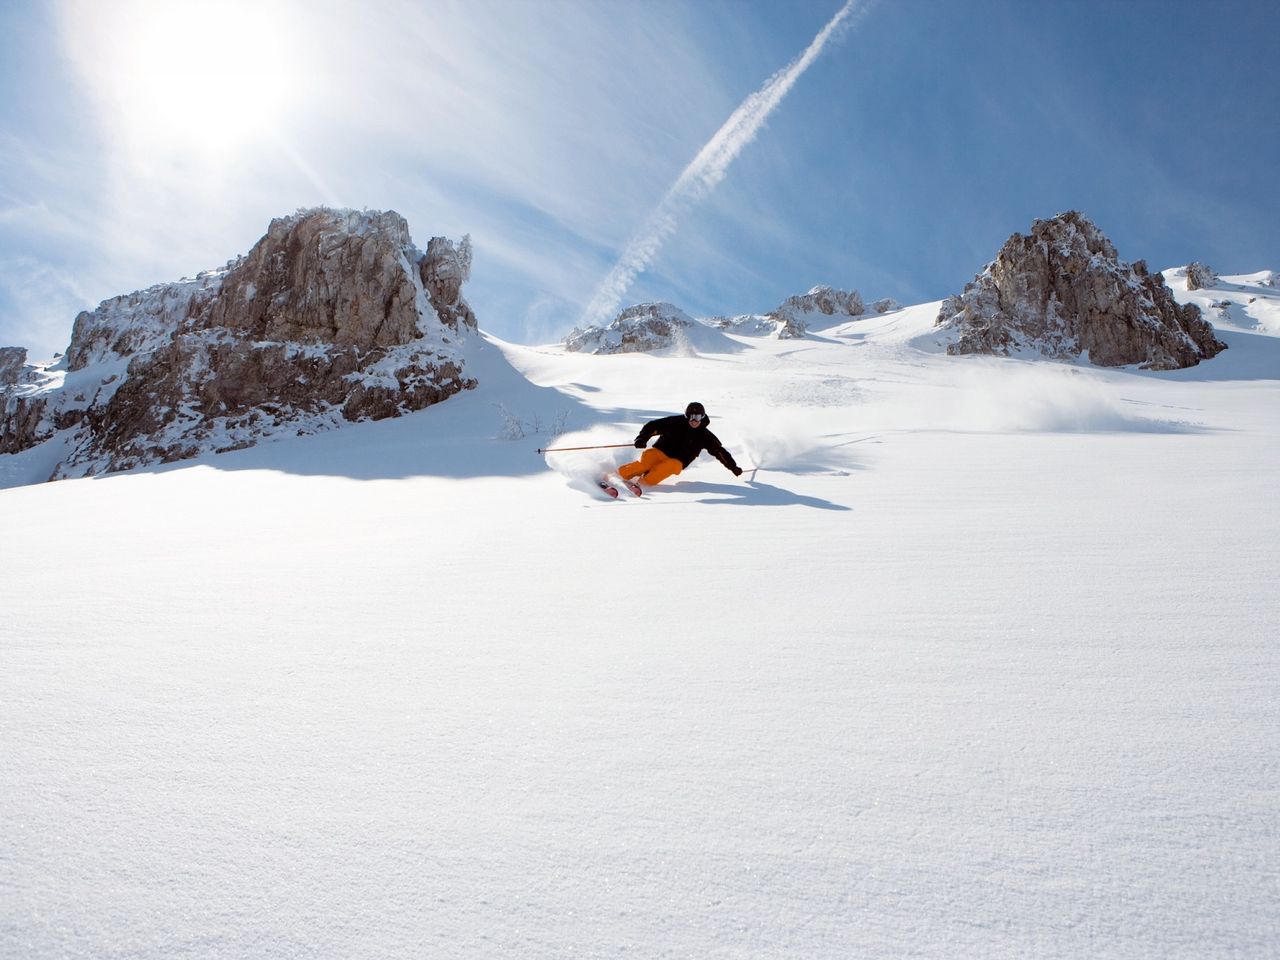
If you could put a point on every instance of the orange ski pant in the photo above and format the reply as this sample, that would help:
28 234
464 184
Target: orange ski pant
652 468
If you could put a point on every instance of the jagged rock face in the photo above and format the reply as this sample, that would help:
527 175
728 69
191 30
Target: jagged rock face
1200 277
333 316
642 328
825 300
322 278
886 305
1063 292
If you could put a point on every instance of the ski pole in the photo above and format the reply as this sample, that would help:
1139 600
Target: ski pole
605 446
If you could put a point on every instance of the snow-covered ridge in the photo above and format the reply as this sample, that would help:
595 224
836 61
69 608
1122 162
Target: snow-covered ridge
792 319
1248 302
140 322
333 317
646 328
649 327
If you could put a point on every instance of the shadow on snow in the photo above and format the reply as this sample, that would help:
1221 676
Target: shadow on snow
751 493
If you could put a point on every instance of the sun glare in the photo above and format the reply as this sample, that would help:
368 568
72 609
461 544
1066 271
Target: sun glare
197 78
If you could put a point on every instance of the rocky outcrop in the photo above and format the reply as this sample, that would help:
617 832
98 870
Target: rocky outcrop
13 361
332 317
791 319
1062 292
642 328
756 325
1200 277
794 314
885 305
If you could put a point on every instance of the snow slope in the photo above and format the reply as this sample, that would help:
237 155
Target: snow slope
977 659
1248 302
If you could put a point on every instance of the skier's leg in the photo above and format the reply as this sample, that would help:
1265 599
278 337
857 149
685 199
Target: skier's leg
647 459
666 467
629 470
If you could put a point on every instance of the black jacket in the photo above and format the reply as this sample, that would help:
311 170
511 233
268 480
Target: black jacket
679 440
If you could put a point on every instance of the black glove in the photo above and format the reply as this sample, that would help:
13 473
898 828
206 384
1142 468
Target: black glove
641 442
737 471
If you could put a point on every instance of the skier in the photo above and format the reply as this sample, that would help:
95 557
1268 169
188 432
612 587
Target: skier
680 441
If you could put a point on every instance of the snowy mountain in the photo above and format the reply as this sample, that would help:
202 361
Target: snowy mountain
654 327
793 317
646 328
977 659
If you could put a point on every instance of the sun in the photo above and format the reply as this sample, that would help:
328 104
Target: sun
201 79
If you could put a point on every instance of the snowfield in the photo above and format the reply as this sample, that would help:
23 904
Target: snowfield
979 658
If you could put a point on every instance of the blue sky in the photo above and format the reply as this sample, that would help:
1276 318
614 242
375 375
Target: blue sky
142 141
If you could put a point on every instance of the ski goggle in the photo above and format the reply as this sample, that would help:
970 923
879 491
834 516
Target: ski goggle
696 416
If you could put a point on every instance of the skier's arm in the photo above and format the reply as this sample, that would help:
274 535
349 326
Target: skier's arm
647 431
723 455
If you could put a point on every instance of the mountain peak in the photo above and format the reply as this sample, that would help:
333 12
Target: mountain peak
1063 292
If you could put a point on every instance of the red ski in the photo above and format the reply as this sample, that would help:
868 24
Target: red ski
613 479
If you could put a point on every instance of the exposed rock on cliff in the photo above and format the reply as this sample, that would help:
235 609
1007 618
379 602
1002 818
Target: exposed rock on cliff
1063 292
333 316
13 361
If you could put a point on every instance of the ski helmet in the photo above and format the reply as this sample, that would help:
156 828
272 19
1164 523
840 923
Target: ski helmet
693 408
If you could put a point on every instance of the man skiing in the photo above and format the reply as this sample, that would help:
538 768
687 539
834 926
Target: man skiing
680 441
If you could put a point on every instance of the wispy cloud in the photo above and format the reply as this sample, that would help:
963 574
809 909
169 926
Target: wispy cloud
707 169
557 105
42 300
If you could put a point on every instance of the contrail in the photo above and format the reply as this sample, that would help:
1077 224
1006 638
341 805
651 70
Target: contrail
705 171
